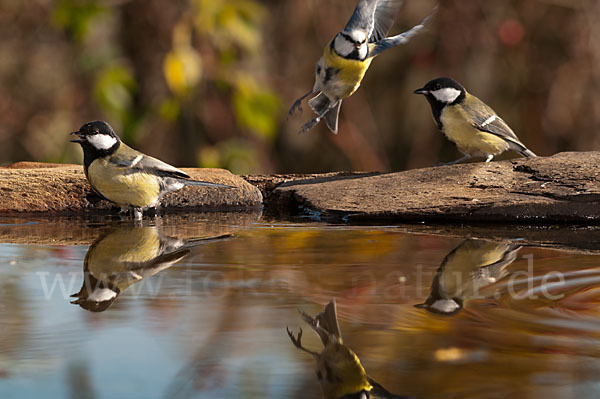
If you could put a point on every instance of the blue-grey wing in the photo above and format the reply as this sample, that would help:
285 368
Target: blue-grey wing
402 38
375 17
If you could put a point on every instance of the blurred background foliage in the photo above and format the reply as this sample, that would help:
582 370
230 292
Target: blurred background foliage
209 82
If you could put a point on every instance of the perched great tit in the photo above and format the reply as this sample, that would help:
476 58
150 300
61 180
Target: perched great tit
339 370
125 176
468 122
348 56
468 268
125 255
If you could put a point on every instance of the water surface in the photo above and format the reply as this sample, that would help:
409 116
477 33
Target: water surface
196 307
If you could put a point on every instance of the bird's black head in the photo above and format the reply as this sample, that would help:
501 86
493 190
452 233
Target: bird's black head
97 139
95 295
441 92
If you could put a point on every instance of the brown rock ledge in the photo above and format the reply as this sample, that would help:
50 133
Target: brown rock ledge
563 188
31 187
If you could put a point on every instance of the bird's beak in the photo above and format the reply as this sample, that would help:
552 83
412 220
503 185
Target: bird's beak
421 91
420 306
78 140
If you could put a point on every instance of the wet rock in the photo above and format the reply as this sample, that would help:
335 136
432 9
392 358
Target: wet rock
279 204
56 188
562 188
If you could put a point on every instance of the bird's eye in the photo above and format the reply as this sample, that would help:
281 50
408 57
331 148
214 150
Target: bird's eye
437 87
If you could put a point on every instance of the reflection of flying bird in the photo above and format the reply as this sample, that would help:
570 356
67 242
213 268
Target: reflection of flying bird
468 122
125 176
347 57
124 256
339 370
471 266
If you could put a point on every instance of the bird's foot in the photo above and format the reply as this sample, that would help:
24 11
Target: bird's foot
297 106
309 125
297 341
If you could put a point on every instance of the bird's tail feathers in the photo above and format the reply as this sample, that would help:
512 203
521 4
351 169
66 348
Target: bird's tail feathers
320 104
520 148
527 153
328 319
332 116
325 324
203 183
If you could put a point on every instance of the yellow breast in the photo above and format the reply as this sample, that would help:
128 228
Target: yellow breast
119 249
469 140
347 374
351 73
123 186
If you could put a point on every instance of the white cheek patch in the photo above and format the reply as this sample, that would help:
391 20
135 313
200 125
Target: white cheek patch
358 35
102 141
446 95
445 305
362 51
102 295
342 46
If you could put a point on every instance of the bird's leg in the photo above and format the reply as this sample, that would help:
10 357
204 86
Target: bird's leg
122 214
297 341
137 213
489 158
311 321
464 158
325 335
298 103
310 124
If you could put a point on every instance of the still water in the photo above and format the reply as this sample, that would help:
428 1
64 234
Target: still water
197 307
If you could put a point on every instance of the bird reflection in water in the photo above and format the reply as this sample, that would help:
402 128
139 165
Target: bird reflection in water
124 256
468 268
339 370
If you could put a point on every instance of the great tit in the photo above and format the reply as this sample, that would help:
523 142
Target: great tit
339 370
468 268
125 176
468 122
125 255
347 57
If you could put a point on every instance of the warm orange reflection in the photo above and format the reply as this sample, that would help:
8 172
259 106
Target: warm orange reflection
125 255
216 325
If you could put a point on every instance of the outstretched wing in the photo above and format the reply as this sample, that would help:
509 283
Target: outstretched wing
129 158
388 42
375 17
